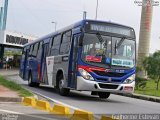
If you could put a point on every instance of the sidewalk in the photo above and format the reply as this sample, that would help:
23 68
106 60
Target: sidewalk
7 95
5 92
9 72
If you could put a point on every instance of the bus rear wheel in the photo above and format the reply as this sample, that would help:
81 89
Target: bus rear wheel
103 95
62 91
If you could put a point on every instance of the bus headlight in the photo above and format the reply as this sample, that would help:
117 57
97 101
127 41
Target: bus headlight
85 74
130 79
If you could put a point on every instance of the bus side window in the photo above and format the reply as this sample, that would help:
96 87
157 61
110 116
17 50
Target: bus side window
28 48
50 46
56 44
51 42
39 50
34 53
31 49
66 41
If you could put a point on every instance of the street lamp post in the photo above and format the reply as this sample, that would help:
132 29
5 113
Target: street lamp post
84 15
55 26
96 10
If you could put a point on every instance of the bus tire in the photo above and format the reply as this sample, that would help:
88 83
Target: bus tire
30 83
37 84
103 95
62 91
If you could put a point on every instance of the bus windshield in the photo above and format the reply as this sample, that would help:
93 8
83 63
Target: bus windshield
107 51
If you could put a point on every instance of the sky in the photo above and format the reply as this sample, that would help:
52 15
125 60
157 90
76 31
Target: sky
35 17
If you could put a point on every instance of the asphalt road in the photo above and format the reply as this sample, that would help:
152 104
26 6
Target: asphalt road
16 111
115 104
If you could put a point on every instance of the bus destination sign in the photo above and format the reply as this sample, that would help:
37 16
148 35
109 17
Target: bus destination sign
109 28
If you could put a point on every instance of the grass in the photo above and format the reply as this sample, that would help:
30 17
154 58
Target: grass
15 87
150 89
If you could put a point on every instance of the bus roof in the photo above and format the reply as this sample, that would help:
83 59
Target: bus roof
80 23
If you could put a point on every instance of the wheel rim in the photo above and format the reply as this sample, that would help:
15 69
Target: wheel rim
61 84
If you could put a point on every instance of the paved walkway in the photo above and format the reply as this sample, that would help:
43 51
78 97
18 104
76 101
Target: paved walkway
5 92
9 72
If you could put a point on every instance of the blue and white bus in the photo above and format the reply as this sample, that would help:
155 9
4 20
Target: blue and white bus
89 55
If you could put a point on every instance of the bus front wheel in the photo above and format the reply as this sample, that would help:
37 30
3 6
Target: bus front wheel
103 95
62 91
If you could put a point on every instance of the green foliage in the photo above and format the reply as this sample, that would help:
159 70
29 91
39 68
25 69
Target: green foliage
150 89
138 69
140 83
16 87
152 66
11 53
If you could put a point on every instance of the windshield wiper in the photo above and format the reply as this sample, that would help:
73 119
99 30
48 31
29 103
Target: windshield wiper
120 42
101 40
99 37
117 45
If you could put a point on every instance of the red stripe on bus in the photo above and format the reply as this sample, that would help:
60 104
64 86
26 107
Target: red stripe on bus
90 68
39 72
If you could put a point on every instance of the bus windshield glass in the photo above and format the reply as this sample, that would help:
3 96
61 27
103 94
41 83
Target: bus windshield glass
106 51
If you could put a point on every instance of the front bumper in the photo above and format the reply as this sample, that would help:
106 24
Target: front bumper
87 85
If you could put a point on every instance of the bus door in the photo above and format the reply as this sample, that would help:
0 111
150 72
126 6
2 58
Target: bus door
43 63
25 64
72 79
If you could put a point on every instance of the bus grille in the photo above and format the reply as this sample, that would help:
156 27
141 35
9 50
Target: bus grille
106 80
108 86
109 74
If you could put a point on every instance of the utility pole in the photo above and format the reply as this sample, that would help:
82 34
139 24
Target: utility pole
3 21
3 14
84 15
55 25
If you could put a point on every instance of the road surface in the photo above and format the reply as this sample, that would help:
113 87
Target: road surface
115 104
16 111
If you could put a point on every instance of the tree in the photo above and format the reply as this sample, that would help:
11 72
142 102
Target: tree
151 65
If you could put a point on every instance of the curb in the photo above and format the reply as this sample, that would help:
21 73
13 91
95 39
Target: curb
14 99
28 101
142 97
107 118
82 115
10 99
10 75
43 105
62 110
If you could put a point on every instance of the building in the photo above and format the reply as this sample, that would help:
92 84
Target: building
12 42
